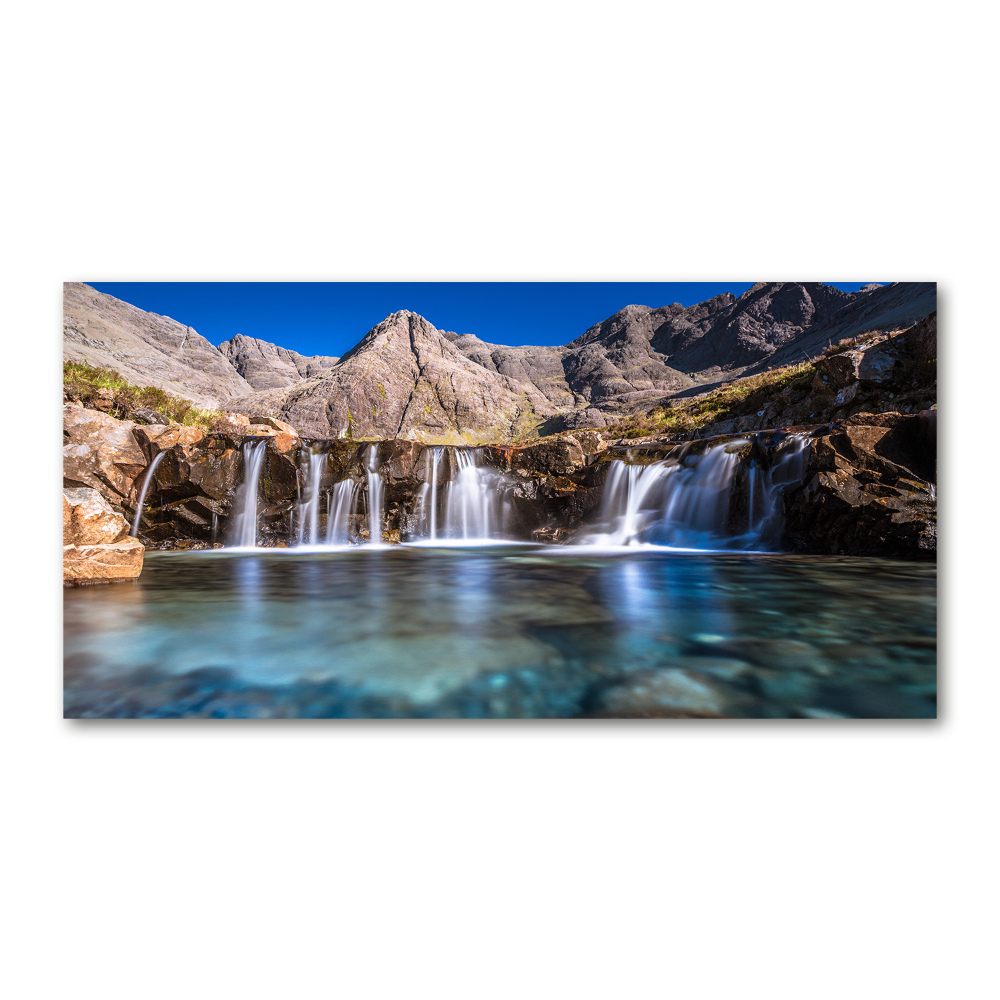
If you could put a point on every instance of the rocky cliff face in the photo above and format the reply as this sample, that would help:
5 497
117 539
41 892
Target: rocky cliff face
267 366
867 488
146 349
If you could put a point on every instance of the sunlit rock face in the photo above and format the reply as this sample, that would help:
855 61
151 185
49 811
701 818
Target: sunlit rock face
147 349
405 379
96 548
268 366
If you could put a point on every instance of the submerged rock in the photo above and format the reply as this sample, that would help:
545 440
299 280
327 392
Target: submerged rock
683 690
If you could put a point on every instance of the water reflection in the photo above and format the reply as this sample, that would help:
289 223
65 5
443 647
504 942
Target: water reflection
506 632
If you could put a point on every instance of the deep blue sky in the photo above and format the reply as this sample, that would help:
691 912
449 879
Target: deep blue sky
331 317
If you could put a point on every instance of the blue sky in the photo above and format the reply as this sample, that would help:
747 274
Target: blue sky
331 317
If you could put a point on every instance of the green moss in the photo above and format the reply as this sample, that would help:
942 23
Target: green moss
85 383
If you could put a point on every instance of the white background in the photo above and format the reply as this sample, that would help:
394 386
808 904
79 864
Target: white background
722 141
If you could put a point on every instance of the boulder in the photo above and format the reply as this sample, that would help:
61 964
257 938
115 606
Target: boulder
108 563
157 437
100 452
272 422
148 416
655 692
89 520
231 423
838 371
553 457
876 364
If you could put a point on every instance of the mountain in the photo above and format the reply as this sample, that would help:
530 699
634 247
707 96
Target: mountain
146 349
406 378
267 366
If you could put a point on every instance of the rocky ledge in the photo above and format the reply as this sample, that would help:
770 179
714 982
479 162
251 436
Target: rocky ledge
96 546
869 485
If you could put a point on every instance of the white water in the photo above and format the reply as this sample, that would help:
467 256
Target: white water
308 512
142 493
374 497
246 517
342 504
687 504
473 506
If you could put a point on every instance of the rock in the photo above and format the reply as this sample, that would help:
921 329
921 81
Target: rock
156 437
273 423
920 341
146 349
107 563
89 520
839 370
230 423
847 394
773 654
553 457
726 669
682 690
100 452
877 362
149 416
868 489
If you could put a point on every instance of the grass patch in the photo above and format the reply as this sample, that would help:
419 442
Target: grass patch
737 399
88 385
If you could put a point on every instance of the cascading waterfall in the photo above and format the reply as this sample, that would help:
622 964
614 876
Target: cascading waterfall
687 504
473 505
427 499
308 511
246 517
374 497
342 504
142 493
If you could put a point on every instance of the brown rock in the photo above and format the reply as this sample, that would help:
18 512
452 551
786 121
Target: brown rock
159 437
231 423
100 452
103 563
273 423
89 520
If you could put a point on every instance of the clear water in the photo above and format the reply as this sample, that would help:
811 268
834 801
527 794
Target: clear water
505 632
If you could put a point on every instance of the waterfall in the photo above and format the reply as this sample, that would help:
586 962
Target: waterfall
473 505
435 464
342 503
142 493
688 504
308 512
374 497
246 517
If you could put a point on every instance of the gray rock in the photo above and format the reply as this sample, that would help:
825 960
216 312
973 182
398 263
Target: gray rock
267 366
146 349
148 416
